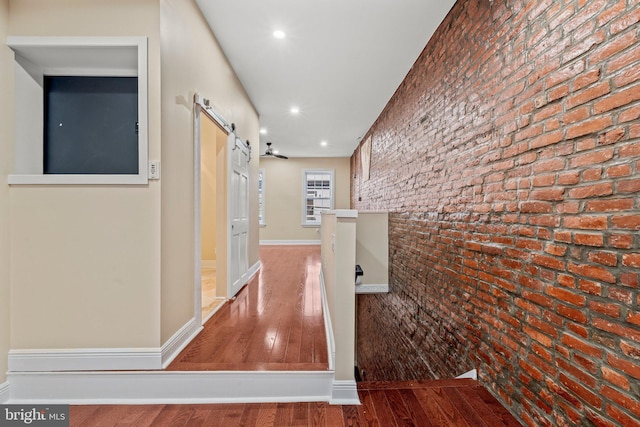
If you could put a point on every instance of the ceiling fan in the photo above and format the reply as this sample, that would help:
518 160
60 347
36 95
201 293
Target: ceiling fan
270 153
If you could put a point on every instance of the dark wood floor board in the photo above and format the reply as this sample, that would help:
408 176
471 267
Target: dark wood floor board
440 412
351 416
284 414
383 409
416 411
317 414
463 407
139 416
82 413
267 415
399 408
384 385
367 410
335 417
249 416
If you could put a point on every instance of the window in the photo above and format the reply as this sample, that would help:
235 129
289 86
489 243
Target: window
317 195
80 110
261 220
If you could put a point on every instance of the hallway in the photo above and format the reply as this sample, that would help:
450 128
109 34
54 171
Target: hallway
274 323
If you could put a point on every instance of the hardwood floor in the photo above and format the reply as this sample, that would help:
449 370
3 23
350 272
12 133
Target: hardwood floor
445 403
274 323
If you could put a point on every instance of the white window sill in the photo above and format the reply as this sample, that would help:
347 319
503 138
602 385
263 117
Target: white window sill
79 179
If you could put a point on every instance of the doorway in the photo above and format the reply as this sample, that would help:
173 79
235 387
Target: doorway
213 140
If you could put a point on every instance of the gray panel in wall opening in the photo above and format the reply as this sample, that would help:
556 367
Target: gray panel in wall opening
90 125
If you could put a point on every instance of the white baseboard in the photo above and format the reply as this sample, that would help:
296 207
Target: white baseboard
372 289
473 374
4 392
161 387
208 263
84 359
344 393
289 242
179 341
328 329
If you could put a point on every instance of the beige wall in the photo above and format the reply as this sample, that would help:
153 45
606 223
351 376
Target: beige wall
6 135
283 195
372 247
185 71
85 260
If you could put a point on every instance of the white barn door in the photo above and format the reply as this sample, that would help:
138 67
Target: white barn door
238 202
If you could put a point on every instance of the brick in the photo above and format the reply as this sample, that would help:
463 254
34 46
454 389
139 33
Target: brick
566 295
612 205
626 221
617 329
581 391
608 309
593 272
592 158
618 171
615 378
550 194
631 260
592 125
605 258
621 399
594 190
584 222
629 186
617 99
588 239
620 241
588 94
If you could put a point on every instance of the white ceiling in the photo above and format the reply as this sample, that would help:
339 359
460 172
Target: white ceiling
340 63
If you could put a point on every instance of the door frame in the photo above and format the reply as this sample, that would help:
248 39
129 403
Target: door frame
201 105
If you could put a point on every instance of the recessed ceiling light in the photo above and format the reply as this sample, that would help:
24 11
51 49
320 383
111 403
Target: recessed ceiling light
279 34
263 131
324 143
294 110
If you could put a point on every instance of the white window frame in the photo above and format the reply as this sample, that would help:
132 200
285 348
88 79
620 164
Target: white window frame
305 174
261 197
72 56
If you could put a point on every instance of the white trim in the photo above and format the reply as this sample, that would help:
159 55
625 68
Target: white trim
5 392
289 242
79 51
331 342
372 289
84 359
174 345
332 186
473 374
344 392
174 387
345 213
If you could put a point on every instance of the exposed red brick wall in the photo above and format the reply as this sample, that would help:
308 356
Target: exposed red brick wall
509 159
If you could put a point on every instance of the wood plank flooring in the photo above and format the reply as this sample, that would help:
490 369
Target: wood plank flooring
438 403
274 323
